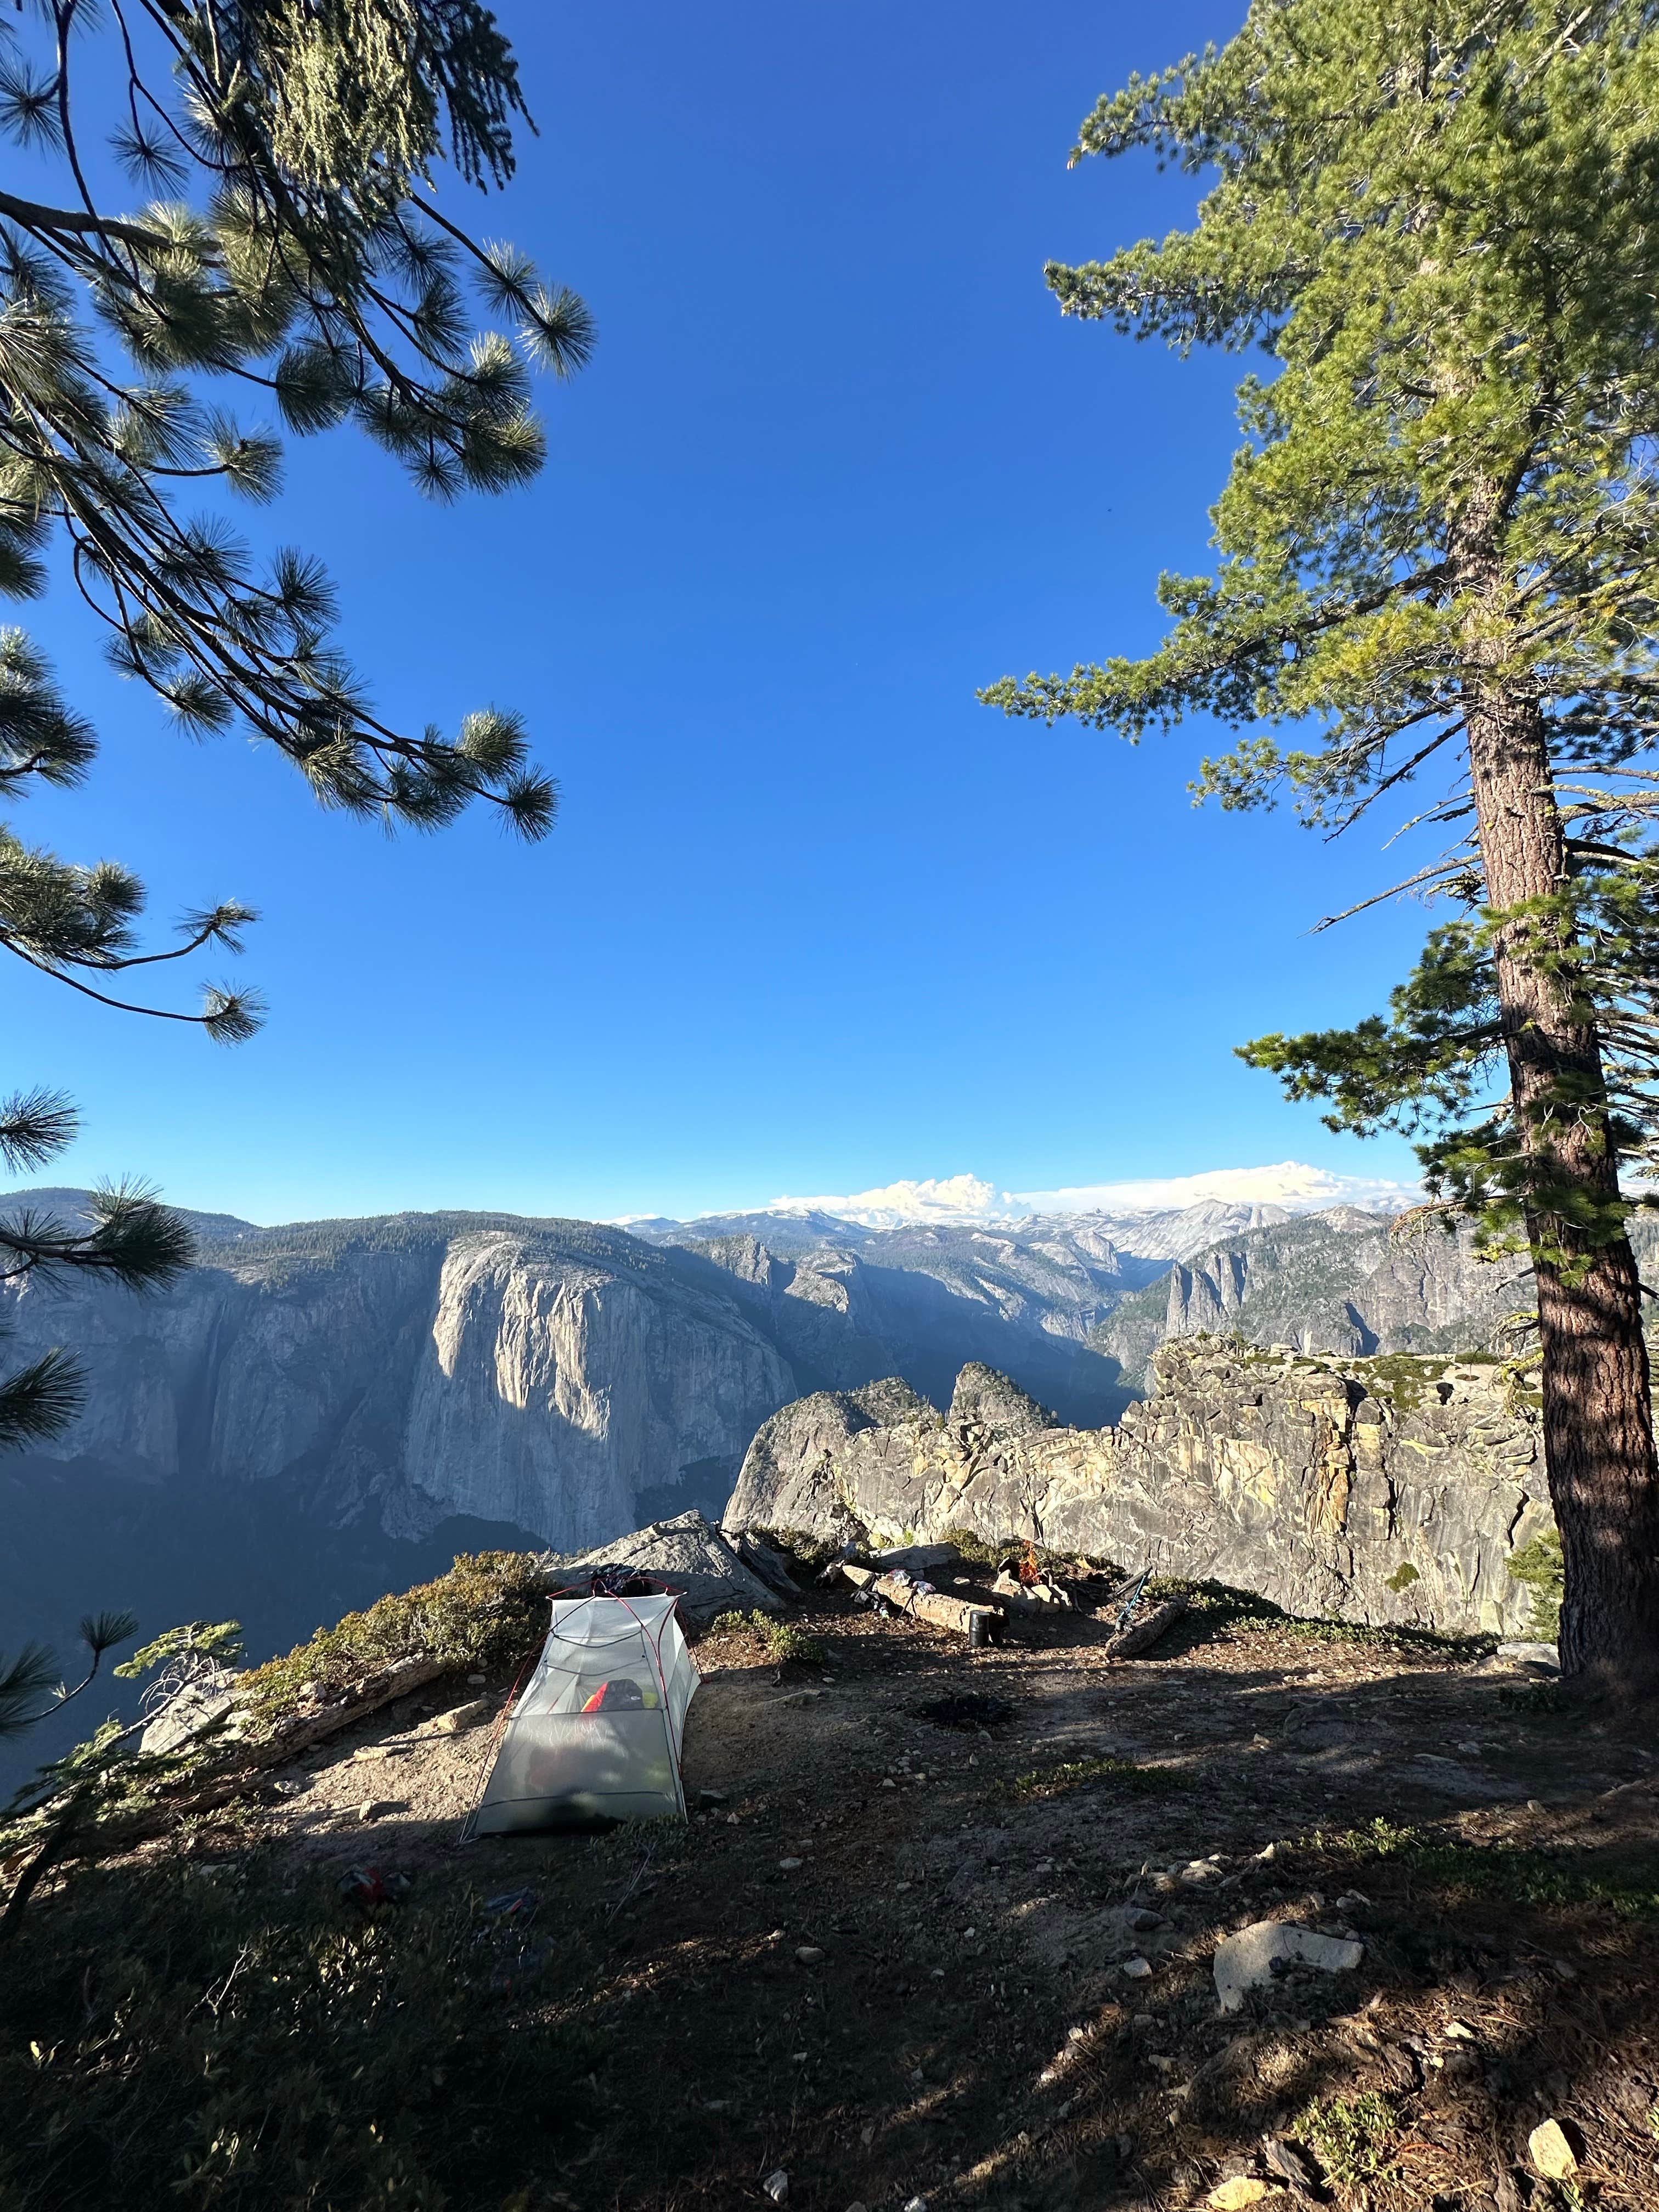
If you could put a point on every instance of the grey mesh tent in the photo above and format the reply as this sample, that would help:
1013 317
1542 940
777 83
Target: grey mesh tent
597 1735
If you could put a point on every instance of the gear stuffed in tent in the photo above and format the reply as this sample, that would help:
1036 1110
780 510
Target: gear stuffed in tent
596 1736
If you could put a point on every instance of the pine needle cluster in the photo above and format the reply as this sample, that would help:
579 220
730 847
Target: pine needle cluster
290 242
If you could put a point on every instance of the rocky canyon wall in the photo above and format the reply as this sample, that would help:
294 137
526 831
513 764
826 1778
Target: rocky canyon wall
1391 1491
418 1371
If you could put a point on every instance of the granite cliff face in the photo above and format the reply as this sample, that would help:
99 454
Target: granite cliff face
1388 1490
848 1305
1342 1281
572 1381
547 1376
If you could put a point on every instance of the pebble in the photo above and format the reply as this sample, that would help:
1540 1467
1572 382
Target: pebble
458 1717
372 1808
1137 1969
476 1681
809 1954
788 1866
915 2204
776 2186
1550 2151
888 1782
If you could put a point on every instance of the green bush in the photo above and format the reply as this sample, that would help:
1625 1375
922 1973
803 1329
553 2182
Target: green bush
486 1611
188 2036
783 1641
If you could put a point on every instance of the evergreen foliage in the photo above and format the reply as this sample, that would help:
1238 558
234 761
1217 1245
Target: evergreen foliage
292 243
1436 557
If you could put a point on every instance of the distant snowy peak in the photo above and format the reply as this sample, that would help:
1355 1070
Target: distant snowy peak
958 1201
1218 1203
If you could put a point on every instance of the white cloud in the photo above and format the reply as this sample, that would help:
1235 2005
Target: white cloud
966 1198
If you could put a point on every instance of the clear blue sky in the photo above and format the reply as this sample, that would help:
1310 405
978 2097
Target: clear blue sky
813 918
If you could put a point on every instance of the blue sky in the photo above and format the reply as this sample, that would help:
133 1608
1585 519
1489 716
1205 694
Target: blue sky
813 919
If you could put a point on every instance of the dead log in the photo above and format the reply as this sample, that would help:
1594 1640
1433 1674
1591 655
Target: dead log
1140 1635
901 1592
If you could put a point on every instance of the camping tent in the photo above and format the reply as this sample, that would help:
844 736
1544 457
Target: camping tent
597 1735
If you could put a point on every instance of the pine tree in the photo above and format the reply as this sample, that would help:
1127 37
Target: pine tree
293 245
1439 552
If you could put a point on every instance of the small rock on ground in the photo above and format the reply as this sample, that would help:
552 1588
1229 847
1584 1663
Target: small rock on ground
1248 1960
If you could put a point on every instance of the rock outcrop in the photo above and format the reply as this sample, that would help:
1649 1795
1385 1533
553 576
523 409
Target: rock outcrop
686 1553
1389 1490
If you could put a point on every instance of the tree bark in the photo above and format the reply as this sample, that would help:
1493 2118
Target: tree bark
1597 1406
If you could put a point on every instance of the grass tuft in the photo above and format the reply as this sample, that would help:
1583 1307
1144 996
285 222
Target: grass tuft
1350 2135
1507 1873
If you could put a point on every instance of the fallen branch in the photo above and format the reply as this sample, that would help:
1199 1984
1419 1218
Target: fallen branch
1140 1635
103 1839
901 1592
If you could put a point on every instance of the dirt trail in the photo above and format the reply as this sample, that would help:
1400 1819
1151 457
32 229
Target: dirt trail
978 2020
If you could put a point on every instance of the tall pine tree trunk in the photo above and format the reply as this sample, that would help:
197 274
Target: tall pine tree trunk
1598 1418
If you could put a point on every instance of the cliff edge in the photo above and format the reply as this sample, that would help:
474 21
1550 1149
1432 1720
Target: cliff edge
1392 1491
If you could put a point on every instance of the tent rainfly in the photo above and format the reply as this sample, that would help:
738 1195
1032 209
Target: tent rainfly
597 1735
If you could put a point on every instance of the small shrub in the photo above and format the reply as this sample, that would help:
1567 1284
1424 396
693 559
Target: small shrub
975 1551
784 1641
801 1547
1349 2136
486 1611
1538 1566
1402 1577
1536 1697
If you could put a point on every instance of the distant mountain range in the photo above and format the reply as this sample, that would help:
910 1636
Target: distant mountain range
337 1404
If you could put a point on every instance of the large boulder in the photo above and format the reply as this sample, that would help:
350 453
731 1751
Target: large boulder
686 1553
787 1480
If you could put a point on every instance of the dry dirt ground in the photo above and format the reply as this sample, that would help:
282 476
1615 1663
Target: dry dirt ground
897 1961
